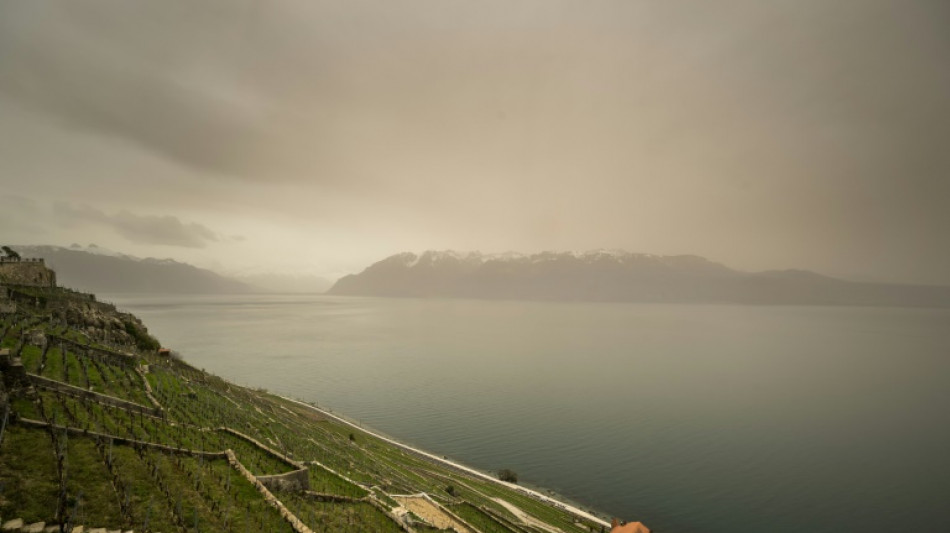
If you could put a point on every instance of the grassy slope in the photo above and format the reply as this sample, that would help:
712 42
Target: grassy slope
120 485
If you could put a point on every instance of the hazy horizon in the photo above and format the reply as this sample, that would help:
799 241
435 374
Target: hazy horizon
318 138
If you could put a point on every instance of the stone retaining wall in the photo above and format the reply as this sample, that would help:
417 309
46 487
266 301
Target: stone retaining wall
109 356
500 518
294 481
105 399
148 389
296 464
29 422
389 512
269 497
338 474
334 498
446 510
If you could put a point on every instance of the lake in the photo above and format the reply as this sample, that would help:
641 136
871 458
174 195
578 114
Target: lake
690 418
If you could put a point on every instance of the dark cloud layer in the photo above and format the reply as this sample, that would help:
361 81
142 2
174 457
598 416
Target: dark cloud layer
277 91
163 230
762 134
93 66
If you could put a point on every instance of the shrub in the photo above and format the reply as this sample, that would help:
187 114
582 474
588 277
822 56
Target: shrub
508 475
143 340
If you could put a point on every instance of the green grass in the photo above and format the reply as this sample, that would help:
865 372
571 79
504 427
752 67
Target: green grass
54 365
96 383
332 517
25 408
479 519
28 475
30 356
74 370
258 461
154 482
90 484
322 480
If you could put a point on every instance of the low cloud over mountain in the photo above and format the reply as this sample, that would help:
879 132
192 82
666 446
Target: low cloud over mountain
103 271
140 229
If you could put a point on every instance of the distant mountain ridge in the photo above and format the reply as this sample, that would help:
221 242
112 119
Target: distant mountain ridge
615 275
98 270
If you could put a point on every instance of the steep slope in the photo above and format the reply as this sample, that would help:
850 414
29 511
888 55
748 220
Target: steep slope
102 429
617 276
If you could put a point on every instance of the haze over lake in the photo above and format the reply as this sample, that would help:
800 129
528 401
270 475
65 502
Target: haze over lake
734 164
704 418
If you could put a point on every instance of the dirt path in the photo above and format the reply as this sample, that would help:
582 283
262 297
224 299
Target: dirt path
526 518
431 513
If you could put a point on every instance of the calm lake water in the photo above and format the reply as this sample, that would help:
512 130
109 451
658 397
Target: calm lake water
706 418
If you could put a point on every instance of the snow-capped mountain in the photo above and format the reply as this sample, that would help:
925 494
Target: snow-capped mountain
615 275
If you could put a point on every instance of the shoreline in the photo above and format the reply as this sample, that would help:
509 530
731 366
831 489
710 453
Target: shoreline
467 469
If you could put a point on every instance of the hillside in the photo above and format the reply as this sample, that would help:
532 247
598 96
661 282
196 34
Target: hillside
102 430
100 272
617 276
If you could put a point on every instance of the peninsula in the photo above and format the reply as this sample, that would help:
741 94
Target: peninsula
104 428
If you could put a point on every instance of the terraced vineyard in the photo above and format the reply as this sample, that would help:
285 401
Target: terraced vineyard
118 436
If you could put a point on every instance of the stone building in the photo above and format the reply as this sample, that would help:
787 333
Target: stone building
29 272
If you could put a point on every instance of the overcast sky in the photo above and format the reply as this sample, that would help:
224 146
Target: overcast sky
313 136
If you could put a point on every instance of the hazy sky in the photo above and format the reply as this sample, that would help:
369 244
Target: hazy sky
320 136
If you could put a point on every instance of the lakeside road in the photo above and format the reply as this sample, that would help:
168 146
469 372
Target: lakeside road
529 492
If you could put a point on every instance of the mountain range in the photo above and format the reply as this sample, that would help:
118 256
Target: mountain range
99 270
617 276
